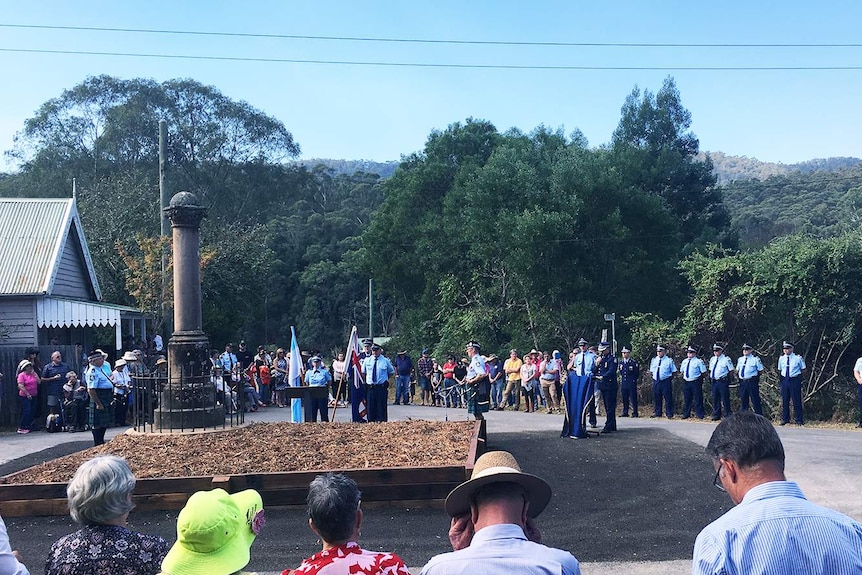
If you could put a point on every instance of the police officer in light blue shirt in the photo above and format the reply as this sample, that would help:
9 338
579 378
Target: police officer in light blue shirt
748 369
585 360
318 376
692 369
584 363
377 370
720 367
790 368
662 369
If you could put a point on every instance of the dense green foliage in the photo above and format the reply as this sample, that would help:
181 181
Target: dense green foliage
281 240
525 240
516 239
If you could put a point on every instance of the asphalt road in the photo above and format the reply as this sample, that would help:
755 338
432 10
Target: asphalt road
630 502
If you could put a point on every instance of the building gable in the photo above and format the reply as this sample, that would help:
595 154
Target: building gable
70 276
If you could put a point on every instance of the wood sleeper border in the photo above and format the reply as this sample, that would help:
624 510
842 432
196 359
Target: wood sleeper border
405 486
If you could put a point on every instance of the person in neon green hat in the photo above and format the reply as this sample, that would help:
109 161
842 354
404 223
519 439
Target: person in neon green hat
215 531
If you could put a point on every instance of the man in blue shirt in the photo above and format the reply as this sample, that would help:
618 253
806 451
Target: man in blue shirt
662 369
403 370
320 377
790 368
720 367
773 528
629 373
584 364
53 378
748 368
692 369
228 363
377 370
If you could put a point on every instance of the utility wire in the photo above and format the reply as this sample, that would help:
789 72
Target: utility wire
431 65
435 41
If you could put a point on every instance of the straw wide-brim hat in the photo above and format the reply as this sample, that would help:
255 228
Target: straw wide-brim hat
496 467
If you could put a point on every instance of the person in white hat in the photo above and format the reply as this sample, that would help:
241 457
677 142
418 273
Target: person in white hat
122 381
493 523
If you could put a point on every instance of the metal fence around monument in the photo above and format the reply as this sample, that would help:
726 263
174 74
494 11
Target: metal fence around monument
187 403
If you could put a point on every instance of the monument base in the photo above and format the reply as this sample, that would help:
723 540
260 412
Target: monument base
189 418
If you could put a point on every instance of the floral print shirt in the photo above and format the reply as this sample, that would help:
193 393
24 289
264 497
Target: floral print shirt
106 550
351 559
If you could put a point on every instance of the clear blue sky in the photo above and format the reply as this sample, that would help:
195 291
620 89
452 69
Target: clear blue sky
381 113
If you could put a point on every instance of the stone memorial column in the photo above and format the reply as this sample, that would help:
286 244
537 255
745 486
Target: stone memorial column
189 399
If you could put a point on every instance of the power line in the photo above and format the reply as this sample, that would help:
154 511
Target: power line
435 41
434 65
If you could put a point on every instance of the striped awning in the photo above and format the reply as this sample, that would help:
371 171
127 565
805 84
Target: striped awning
57 312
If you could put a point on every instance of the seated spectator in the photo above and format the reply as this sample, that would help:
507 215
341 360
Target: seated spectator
773 528
493 523
334 515
74 402
10 561
100 499
215 531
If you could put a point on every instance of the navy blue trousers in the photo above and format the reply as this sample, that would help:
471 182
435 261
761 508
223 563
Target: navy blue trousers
749 390
720 396
663 389
376 397
692 393
791 390
630 397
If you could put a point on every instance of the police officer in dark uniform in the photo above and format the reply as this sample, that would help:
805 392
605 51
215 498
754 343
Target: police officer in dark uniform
629 371
606 374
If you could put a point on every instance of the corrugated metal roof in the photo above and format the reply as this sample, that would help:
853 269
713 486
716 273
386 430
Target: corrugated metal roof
32 234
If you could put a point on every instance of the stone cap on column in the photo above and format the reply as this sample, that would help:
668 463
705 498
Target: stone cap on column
185 210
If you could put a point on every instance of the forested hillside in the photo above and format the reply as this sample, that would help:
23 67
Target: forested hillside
350 167
732 168
819 203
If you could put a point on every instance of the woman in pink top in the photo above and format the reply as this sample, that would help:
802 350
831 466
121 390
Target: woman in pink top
28 385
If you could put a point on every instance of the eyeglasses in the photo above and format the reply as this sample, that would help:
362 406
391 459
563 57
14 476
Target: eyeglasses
716 481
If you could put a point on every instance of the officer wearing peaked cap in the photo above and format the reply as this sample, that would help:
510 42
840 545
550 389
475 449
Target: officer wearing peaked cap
692 369
720 367
790 368
629 372
662 369
748 369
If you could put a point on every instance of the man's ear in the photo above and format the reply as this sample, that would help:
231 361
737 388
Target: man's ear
474 513
313 527
731 470
524 511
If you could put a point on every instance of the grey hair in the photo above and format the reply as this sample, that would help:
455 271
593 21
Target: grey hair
332 503
747 439
101 490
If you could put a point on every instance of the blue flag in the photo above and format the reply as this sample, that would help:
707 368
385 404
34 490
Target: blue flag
294 376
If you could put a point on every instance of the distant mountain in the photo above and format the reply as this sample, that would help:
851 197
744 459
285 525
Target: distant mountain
734 168
382 169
